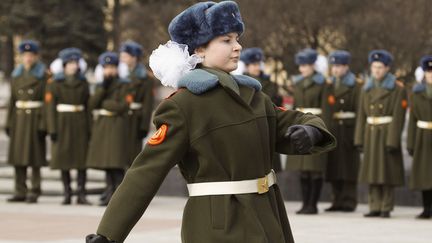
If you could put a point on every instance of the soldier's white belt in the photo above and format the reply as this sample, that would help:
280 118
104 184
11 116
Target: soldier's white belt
104 112
379 120
135 106
314 111
28 104
344 115
424 124
260 186
69 108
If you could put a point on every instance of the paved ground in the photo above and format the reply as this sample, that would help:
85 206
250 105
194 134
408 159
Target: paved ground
50 222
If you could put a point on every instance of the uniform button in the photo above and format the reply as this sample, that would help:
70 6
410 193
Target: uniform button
30 91
342 101
380 106
20 91
28 111
372 106
340 122
130 112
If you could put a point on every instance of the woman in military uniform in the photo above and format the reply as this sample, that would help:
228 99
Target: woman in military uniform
108 148
68 120
308 93
25 124
420 137
380 120
221 131
140 91
342 93
253 58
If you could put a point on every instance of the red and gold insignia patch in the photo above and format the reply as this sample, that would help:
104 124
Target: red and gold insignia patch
331 99
281 108
404 103
129 98
159 135
48 97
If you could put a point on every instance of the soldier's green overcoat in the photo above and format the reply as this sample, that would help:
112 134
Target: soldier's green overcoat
108 147
141 89
308 93
343 162
27 127
420 139
213 134
72 128
382 161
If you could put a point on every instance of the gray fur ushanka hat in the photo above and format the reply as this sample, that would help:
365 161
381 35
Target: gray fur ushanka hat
200 23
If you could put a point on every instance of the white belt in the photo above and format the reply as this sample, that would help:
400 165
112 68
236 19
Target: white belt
69 108
104 112
424 124
314 111
28 104
135 106
379 120
260 186
344 115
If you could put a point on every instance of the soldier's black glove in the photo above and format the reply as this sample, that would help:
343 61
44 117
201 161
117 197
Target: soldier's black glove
142 134
42 134
411 152
303 137
93 238
391 149
7 131
53 137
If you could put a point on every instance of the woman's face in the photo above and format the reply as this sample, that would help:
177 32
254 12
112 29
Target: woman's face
428 76
306 70
223 52
71 68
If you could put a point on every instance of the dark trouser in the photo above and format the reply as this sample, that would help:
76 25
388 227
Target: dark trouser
427 200
81 182
21 179
381 198
344 194
113 179
311 184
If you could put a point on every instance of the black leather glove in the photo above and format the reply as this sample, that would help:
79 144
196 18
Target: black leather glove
93 238
391 149
42 134
53 137
141 134
303 137
7 131
411 152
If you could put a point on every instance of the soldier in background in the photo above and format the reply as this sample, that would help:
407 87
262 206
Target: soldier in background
108 148
420 137
140 92
380 120
308 90
253 58
68 121
25 123
339 111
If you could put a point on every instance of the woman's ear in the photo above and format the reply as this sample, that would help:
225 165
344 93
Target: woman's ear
200 51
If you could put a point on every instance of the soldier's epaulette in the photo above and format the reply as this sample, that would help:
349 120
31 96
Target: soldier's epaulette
174 93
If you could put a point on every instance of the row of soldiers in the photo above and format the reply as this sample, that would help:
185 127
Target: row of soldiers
366 117
103 130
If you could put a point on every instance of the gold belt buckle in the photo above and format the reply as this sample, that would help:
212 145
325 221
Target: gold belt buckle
263 185
429 125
